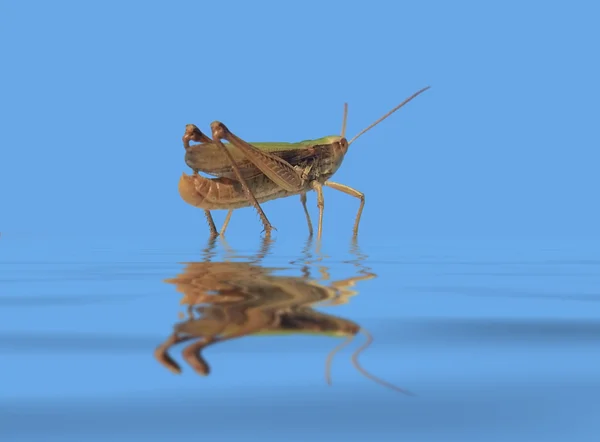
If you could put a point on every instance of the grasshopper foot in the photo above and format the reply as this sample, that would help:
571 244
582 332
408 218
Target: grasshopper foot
267 230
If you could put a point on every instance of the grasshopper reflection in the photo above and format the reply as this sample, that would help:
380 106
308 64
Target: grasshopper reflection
229 300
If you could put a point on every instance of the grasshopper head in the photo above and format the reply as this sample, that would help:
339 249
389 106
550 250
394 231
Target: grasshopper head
343 145
340 144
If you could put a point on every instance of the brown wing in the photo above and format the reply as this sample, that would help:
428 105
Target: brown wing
208 158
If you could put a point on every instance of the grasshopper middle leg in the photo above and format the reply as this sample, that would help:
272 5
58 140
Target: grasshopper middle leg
318 187
303 201
226 222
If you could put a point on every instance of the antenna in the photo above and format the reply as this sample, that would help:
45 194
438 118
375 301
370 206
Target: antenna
331 354
344 120
386 115
366 373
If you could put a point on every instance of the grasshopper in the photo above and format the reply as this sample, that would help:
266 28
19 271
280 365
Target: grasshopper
232 300
253 173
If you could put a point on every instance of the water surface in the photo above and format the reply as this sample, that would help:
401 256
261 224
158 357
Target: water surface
496 340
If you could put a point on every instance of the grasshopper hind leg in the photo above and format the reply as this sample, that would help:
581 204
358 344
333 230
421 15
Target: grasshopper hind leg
220 131
211 223
192 133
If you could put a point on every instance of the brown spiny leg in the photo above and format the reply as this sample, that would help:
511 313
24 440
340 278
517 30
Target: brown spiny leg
276 169
320 204
219 131
211 223
303 201
192 133
353 192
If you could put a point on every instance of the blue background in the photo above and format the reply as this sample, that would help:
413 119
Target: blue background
96 95
481 217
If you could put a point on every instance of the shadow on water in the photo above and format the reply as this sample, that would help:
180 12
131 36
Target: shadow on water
231 299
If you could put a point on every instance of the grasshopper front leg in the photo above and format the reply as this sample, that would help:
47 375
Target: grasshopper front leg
353 192
318 187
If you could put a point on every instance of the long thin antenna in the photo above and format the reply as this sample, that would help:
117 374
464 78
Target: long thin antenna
344 120
330 356
366 373
387 115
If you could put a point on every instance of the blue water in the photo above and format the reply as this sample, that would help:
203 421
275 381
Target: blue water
498 341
